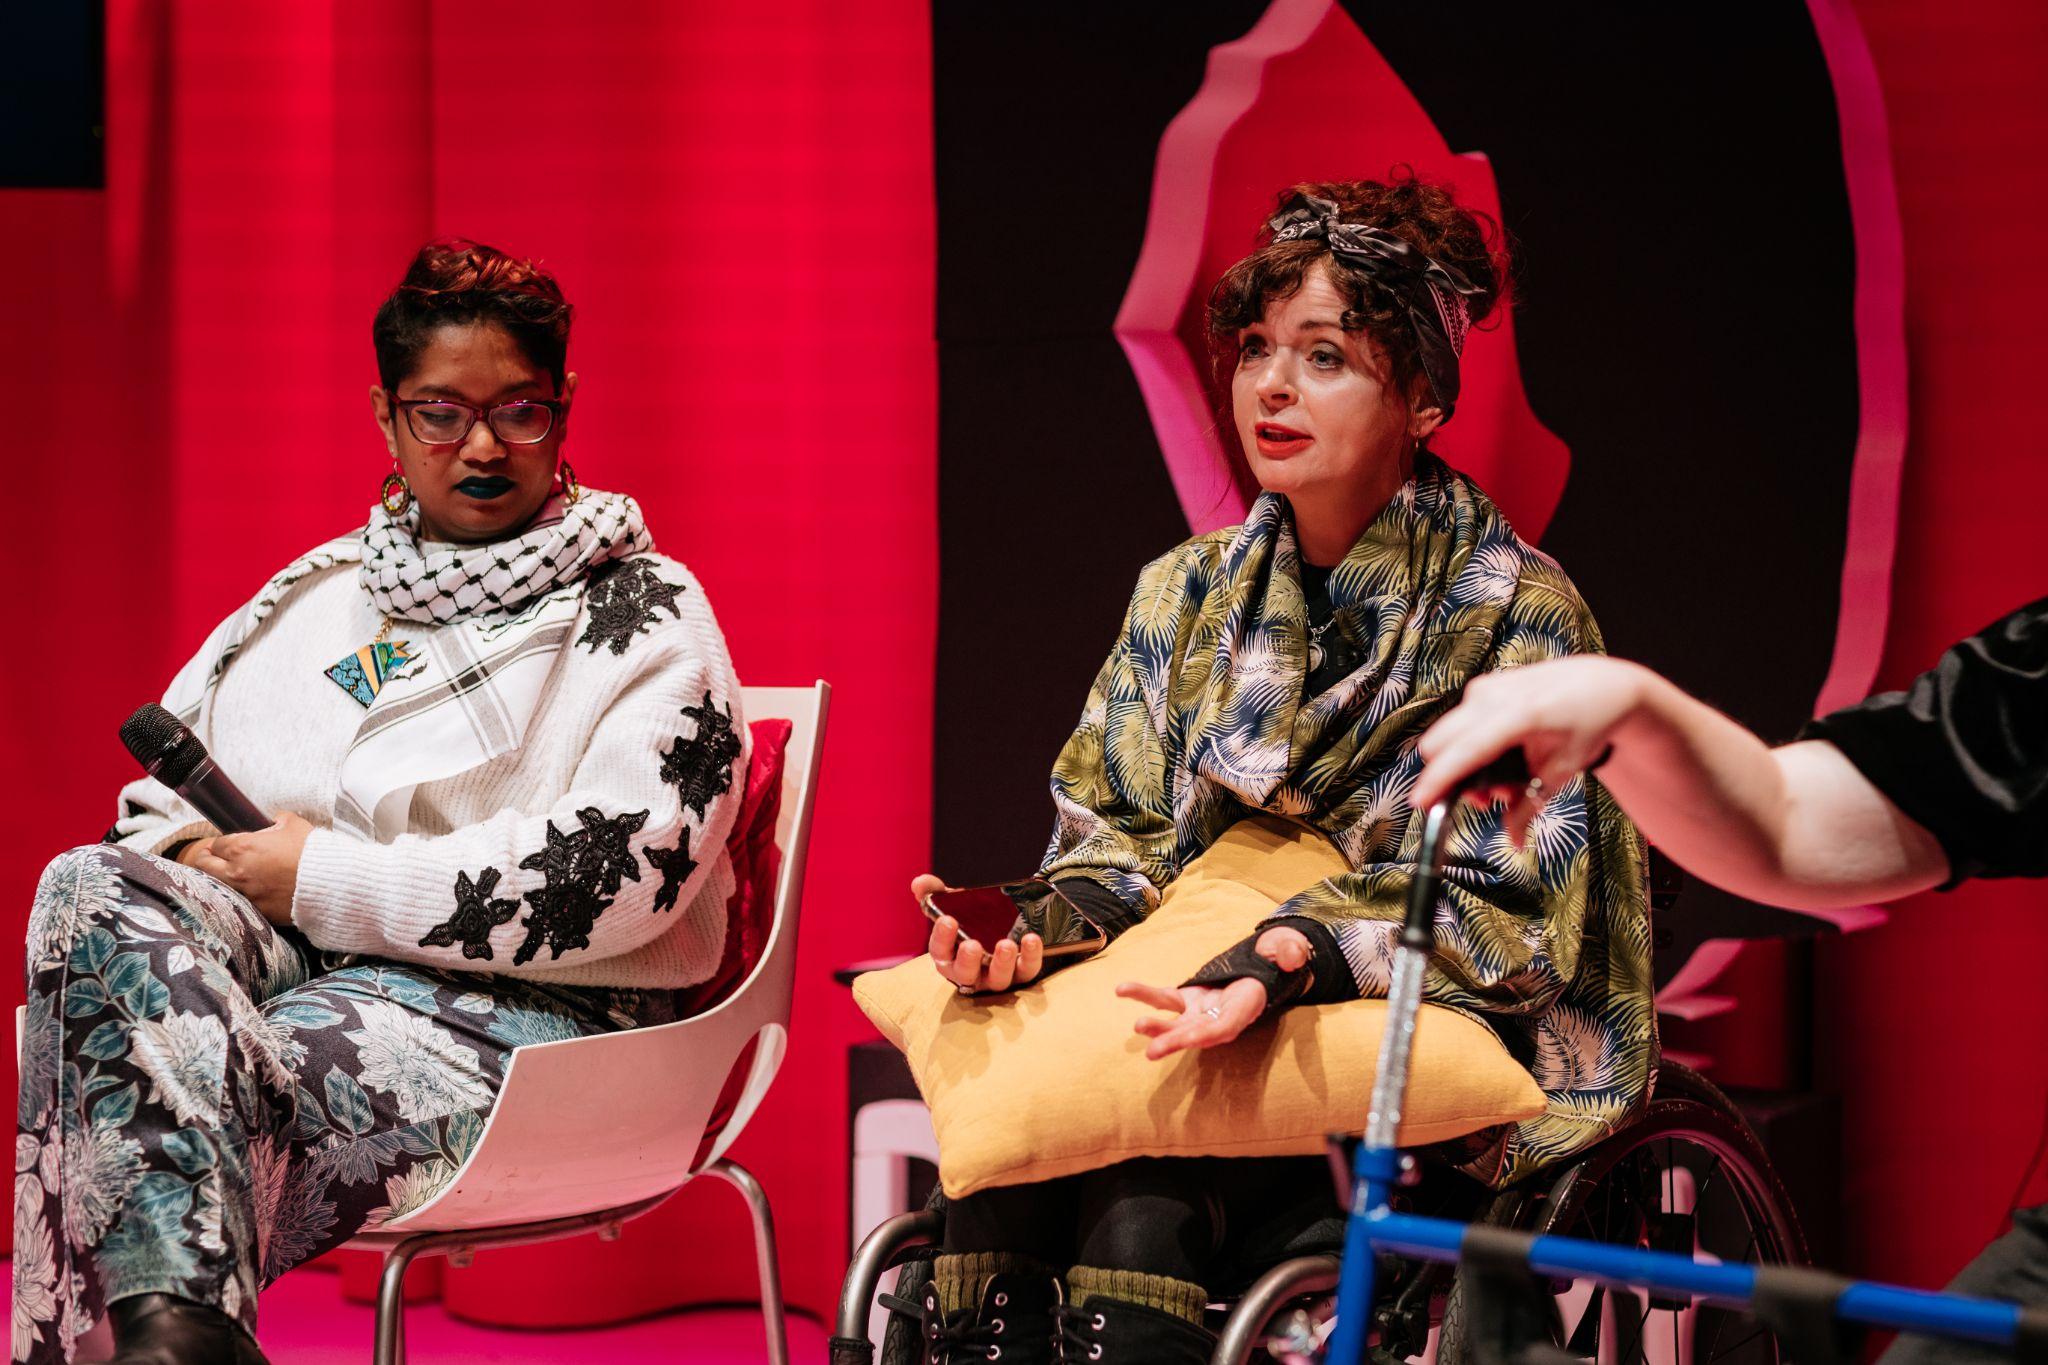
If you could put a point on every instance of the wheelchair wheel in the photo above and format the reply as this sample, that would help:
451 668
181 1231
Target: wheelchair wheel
1687 1177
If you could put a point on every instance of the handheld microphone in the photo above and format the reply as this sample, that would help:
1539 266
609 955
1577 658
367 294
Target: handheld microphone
169 752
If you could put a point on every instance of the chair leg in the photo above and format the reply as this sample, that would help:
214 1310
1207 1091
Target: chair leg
741 1179
390 1346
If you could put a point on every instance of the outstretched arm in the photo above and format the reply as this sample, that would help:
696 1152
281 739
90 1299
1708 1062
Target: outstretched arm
1798 826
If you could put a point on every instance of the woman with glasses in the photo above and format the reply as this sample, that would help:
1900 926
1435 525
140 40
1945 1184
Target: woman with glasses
1284 670
501 740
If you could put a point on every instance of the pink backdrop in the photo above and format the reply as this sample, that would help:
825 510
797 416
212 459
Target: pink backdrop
738 200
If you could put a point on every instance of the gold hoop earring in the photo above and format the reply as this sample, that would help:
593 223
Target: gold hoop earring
571 490
396 494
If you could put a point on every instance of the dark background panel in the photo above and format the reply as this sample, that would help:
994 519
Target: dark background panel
1685 313
1048 119
1044 527
1673 181
1674 190
52 91
1052 489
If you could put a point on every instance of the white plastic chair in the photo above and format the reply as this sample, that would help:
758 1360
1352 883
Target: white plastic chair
590 1132
551 1165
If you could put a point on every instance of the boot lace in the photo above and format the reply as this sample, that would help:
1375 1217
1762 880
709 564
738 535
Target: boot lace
954 1336
1078 1327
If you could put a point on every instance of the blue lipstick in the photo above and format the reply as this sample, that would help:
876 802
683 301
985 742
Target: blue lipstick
483 489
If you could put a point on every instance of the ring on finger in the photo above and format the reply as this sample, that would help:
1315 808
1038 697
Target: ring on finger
1214 1013
963 988
1534 791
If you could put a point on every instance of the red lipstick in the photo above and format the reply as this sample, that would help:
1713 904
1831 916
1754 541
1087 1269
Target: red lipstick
1277 441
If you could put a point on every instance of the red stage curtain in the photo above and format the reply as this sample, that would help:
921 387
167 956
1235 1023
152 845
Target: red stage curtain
737 199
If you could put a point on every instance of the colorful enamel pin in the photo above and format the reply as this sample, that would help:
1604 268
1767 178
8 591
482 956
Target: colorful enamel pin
362 674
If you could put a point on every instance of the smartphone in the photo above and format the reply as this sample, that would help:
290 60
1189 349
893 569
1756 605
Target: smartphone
987 913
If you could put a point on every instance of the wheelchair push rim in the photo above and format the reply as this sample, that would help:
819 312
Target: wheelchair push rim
1688 1177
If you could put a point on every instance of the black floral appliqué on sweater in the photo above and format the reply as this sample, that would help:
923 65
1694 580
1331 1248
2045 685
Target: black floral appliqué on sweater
584 870
476 914
700 767
675 865
625 598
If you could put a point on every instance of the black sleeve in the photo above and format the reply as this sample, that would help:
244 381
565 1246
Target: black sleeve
1964 749
1039 912
1100 904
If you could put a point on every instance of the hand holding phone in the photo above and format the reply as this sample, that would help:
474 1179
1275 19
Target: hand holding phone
971 943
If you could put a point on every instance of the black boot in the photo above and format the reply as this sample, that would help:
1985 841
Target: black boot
1014 1323
160 1329
1118 1333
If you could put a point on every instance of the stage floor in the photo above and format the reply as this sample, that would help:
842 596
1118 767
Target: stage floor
307 1322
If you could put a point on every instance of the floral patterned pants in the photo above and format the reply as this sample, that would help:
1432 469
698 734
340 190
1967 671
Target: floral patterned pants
208 1101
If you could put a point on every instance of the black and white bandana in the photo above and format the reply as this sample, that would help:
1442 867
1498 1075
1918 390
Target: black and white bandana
438 583
1430 293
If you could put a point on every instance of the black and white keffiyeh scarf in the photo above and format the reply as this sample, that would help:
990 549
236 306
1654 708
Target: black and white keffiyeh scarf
512 604
440 583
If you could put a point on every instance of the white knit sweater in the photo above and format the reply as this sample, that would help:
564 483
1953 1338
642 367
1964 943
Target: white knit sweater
280 729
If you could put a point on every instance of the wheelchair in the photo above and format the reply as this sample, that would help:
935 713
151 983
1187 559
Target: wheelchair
1687 1175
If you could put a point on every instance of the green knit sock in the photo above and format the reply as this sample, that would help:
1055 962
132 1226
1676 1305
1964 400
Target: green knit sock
1181 1298
959 1278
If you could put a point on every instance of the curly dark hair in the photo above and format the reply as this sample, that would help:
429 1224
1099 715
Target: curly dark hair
1424 214
455 281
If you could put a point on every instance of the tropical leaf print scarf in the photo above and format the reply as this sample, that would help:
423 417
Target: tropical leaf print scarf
1198 719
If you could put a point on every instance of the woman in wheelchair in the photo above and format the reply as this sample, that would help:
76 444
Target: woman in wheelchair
1285 668
499 735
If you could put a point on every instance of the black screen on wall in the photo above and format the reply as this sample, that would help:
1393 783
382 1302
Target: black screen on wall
52 124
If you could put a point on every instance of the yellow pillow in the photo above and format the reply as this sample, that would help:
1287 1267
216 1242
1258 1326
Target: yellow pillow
1050 1080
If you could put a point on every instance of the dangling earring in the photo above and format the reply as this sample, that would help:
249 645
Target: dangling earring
571 490
396 495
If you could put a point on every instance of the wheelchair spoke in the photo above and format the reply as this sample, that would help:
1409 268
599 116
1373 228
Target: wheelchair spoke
1721 1321
1644 1321
1758 1334
1707 1180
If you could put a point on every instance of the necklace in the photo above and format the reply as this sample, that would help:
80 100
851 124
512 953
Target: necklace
362 674
1336 651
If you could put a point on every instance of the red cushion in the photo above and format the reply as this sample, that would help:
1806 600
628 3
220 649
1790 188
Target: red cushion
751 912
755 862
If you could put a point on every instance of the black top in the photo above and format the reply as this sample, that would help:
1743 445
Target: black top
1331 655
1964 750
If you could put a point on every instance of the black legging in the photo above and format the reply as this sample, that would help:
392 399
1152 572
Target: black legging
1171 1216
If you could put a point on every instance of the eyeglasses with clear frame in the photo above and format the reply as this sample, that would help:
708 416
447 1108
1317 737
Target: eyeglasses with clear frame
445 422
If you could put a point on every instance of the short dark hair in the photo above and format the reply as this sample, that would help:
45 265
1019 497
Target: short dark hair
454 282
1424 214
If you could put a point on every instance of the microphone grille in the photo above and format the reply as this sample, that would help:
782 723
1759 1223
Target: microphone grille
162 744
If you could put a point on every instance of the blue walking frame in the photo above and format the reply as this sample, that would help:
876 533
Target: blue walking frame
1373 1226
